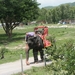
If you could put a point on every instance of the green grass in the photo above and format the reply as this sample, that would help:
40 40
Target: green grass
35 71
17 37
13 55
61 35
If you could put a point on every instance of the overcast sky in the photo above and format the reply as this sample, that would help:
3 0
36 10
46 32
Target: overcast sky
53 2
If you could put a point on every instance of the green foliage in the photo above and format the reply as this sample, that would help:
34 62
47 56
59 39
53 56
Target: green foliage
12 12
69 57
42 17
37 71
65 58
52 49
2 52
56 68
59 13
62 53
17 10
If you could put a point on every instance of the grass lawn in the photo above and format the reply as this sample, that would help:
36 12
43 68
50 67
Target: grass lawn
13 55
14 46
61 35
17 37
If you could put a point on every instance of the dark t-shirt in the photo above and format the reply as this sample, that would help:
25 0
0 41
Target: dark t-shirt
34 41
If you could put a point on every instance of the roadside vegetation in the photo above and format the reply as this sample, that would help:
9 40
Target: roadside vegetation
62 51
62 57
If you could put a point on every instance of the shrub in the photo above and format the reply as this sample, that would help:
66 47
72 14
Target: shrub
52 49
66 54
2 52
69 57
56 68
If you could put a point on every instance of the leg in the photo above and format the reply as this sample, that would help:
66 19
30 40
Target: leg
41 54
35 54
27 54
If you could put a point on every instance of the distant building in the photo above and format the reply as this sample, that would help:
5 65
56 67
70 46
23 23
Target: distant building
66 21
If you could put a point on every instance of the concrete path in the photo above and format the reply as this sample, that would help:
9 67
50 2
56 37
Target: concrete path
15 67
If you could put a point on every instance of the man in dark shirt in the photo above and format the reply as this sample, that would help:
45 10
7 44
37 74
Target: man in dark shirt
34 42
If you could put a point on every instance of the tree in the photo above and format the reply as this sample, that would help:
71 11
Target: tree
65 11
42 15
72 15
12 12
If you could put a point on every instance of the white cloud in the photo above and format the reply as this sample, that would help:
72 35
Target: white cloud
53 2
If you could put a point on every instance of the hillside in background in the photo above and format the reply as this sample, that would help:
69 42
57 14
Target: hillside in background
71 4
50 7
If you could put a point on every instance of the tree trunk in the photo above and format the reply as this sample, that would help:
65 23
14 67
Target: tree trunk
9 33
7 28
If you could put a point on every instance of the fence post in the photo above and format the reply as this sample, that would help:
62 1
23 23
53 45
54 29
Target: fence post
21 64
45 57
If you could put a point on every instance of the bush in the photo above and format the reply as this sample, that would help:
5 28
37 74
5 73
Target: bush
56 68
2 52
51 51
66 54
69 57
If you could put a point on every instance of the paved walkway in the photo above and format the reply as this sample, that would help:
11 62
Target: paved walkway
15 67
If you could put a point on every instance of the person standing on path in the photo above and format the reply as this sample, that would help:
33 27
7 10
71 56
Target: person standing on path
33 42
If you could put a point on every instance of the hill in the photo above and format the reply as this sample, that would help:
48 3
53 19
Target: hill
71 4
50 7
